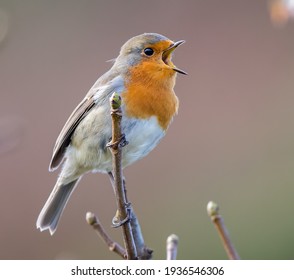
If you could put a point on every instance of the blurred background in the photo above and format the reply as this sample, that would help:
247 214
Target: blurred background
232 141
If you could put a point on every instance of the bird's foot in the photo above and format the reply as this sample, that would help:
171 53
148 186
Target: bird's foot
116 222
122 142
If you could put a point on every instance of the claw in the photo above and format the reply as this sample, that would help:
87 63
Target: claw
122 142
118 223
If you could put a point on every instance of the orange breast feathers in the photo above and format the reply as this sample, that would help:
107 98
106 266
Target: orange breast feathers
149 92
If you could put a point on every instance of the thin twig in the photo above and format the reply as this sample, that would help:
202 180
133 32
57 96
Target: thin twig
115 146
112 245
172 247
216 218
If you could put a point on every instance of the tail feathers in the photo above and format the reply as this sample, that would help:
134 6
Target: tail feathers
54 206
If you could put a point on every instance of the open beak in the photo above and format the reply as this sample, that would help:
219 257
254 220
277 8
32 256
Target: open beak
166 56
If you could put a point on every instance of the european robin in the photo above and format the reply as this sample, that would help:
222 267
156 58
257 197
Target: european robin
144 76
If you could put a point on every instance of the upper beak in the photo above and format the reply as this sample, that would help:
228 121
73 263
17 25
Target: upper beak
169 50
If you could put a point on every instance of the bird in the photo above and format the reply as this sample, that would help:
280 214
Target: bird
144 76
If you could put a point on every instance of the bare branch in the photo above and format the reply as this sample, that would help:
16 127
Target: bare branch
216 218
172 247
112 245
116 144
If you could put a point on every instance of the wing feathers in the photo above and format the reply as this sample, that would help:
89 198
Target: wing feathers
64 137
97 96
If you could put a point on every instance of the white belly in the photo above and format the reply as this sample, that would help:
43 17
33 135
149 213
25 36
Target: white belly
142 138
92 154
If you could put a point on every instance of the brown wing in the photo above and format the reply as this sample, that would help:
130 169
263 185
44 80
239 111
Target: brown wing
64 137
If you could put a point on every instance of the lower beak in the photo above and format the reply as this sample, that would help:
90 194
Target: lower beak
167 53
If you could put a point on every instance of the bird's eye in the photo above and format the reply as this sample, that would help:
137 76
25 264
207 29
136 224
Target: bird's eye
149 51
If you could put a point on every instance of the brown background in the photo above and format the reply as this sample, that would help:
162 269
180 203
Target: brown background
232 142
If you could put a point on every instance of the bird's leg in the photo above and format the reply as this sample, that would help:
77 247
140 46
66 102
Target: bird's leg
116 222
111 180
